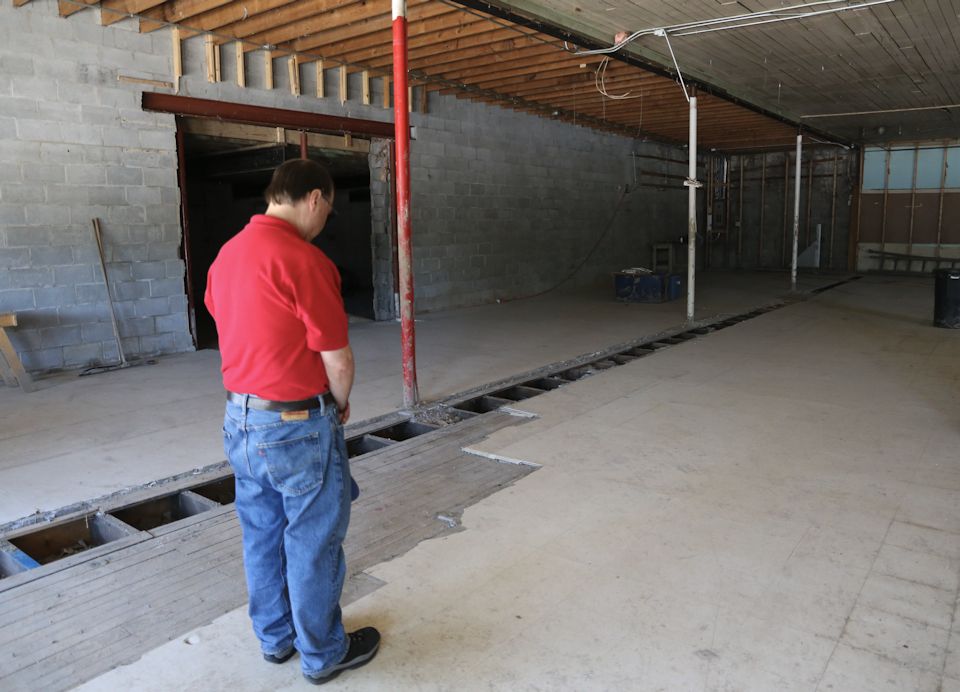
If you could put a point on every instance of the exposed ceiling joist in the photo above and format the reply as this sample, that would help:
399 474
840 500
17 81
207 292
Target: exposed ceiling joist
521 54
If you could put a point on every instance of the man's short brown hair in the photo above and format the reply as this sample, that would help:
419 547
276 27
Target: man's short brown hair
293 180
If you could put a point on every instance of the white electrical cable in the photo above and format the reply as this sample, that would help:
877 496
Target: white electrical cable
737 21
784 19
600 83
686 94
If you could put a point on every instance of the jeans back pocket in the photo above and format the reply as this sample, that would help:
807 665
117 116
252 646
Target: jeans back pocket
295 465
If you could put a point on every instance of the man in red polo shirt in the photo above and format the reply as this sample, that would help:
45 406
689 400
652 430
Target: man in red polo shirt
288 371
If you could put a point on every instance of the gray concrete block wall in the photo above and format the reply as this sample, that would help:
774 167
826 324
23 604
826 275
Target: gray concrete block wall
507 205
492 189
504 204
74 145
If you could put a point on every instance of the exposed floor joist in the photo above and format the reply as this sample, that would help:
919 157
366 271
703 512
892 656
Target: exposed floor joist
122 599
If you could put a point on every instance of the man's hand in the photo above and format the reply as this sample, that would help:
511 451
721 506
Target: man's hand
339 367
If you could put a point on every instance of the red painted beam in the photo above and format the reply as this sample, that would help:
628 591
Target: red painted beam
259 115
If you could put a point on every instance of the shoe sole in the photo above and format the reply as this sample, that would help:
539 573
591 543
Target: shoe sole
355 663
271 658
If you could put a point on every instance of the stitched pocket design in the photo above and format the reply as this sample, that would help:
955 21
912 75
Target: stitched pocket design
295 465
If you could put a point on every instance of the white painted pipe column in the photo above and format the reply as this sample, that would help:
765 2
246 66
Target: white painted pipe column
796 214
692 212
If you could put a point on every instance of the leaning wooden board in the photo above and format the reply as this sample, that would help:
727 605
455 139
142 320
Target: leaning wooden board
13 371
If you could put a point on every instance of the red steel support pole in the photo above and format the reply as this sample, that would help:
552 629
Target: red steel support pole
404 250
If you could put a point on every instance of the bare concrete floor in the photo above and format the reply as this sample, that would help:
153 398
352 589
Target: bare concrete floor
772 507
79 438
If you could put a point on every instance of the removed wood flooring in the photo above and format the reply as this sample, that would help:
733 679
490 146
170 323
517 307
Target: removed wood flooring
68 622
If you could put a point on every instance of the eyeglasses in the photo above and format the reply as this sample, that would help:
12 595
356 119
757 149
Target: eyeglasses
333 210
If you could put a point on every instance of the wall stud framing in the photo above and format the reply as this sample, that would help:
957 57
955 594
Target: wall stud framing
809 198
241 69
913 203
365 75
853 242
321 89
386 92
212 51
268 69
883 212
343 84
943 184
740 216
177 58
833 210
786 207
763 189
293 73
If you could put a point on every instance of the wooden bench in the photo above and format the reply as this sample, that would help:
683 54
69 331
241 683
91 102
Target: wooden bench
13 371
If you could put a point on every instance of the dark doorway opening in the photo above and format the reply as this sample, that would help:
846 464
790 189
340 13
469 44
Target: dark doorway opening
228 165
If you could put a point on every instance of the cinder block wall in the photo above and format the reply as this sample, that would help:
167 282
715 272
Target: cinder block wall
505 204
75 145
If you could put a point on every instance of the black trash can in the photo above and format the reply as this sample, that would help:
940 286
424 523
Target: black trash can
946 298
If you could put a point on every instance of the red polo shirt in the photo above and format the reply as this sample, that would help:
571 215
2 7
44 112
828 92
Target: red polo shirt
276 301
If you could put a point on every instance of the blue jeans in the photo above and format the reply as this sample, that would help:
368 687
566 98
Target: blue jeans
293 500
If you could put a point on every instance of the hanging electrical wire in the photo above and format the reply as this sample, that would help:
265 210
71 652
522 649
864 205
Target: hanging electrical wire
599 81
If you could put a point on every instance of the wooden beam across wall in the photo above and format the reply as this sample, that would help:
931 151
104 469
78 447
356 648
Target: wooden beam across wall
213 127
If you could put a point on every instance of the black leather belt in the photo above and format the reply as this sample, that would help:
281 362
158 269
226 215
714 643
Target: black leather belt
255 402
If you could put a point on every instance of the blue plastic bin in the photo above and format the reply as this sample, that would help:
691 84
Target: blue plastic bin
638 288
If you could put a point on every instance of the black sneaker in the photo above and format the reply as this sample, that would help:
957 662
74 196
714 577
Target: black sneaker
364 644
281 657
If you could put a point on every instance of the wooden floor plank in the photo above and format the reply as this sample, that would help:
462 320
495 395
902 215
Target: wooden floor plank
65 626
89 577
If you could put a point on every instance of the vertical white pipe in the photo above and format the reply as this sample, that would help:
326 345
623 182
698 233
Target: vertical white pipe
692 212
796 215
